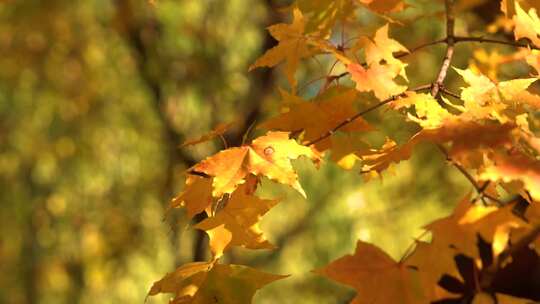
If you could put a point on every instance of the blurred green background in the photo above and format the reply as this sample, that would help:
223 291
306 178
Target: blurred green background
96 96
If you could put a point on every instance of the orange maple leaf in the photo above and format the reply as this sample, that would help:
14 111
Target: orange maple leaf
209 282
237 224
319 116
268 156
515 167
376 276
196 197
292 47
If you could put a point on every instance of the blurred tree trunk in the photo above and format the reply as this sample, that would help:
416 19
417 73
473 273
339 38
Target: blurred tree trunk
142 35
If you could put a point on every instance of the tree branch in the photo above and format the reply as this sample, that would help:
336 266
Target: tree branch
450 40
398 55
361 113
458 39
447 92
479 189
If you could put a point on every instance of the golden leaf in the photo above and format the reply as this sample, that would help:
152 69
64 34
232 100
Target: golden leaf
268 156
319 116
377 278
291 48
209 282
237 224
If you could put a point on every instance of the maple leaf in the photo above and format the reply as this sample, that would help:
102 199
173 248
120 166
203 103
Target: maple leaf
384 6
292 47
347 149
240 218
382 66
464 135
432 261
377 78
485 99
376 276
382 48
429 113
527 24
196 197
479 281
508 8
319 116
219 130
209 282
459 230
515 167
268 156
325 13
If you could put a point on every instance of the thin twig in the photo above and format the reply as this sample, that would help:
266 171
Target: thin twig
458 39
400 54
479 189
361 113
461 169
443 40
450 93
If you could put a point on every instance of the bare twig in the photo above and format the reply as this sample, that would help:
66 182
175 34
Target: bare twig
361 113
447 92
398 55
458 39
449 49
479 189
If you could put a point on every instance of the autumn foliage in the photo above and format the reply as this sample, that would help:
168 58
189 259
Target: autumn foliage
486 251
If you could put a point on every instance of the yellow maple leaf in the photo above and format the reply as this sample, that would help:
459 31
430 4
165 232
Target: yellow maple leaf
318 117
240 218
464 135
268 156
377 78
382 49
381 68
527 24
384 6
483 99
209 282
292 47
428 112
508 8
515 167
460 229
323 14
432 261
196 197
377 278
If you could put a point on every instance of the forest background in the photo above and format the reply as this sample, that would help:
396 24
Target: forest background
95 98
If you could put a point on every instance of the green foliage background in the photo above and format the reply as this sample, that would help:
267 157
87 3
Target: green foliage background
96 96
